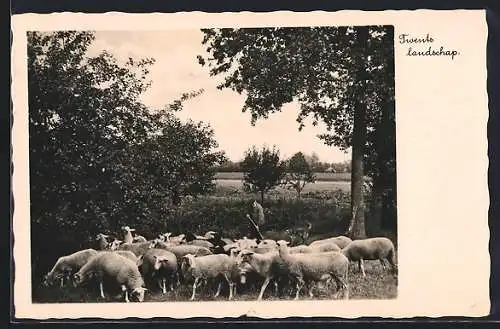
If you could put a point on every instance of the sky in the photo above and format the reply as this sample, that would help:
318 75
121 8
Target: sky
176 71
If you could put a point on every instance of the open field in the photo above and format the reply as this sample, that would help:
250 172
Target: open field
378 284
320 176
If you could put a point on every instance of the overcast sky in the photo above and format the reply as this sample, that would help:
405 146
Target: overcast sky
176 71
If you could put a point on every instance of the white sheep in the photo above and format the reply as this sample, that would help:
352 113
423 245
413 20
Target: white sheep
316 267
209 267
323 247
341 241
127 254
110 265
201 243
268 265
102 241
139 238
161 265
371 249
180 250
127 234
139 248
67 265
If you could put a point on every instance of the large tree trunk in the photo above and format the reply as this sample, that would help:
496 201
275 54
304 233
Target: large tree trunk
357 227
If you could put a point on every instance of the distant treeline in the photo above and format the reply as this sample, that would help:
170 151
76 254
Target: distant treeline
316 165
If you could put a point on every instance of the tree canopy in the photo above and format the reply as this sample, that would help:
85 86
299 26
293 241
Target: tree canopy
342 76
99 158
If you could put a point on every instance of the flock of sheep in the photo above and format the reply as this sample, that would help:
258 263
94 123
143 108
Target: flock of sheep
136 264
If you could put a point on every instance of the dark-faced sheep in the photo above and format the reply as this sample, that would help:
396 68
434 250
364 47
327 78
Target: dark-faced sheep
159 265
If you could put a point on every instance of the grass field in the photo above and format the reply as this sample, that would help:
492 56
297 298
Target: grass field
378 284
321 176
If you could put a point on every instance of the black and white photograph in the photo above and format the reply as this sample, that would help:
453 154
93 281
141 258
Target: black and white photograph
254 163
223 164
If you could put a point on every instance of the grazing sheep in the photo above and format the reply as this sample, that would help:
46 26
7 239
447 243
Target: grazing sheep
127 254
102 241
127 234
371 249
110 265
341 241
139 238
201 243
267 243
324 247
139 248
181 250
209 267
161 265
181 238
67 265
268 265
316 267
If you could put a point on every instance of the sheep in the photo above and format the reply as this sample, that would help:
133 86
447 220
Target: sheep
113 266
181 250
341 241
267 243
102 241
138 248
209 267
201 243
371 249
127 234
139 238
174 239
161 265
268 265
67 265
324 247
316 267
127 254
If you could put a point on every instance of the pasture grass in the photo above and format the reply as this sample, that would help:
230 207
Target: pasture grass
378 284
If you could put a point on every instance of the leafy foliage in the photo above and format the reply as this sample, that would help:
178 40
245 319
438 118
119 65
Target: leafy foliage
299 173
99 158
342 76
263 170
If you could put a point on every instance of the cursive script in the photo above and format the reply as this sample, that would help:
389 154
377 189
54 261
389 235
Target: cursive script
429 50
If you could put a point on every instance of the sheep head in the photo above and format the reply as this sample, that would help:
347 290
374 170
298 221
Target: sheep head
159 261
138 294
282 244
114 245
101 236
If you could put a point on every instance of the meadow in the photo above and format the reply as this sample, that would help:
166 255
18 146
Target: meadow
378 284
325 203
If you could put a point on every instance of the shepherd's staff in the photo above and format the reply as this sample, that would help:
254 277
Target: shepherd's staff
255 227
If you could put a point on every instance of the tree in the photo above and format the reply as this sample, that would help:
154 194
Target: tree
95 149
262 170
342 76
299 173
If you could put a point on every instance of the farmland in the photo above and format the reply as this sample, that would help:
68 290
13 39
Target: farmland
321 176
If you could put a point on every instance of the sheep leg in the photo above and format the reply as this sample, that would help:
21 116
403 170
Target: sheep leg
194 287
124 289
101 289
383 264
231 284
299 285
263 288
311 287
362 267
276 291
164 285
62 281
218 289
